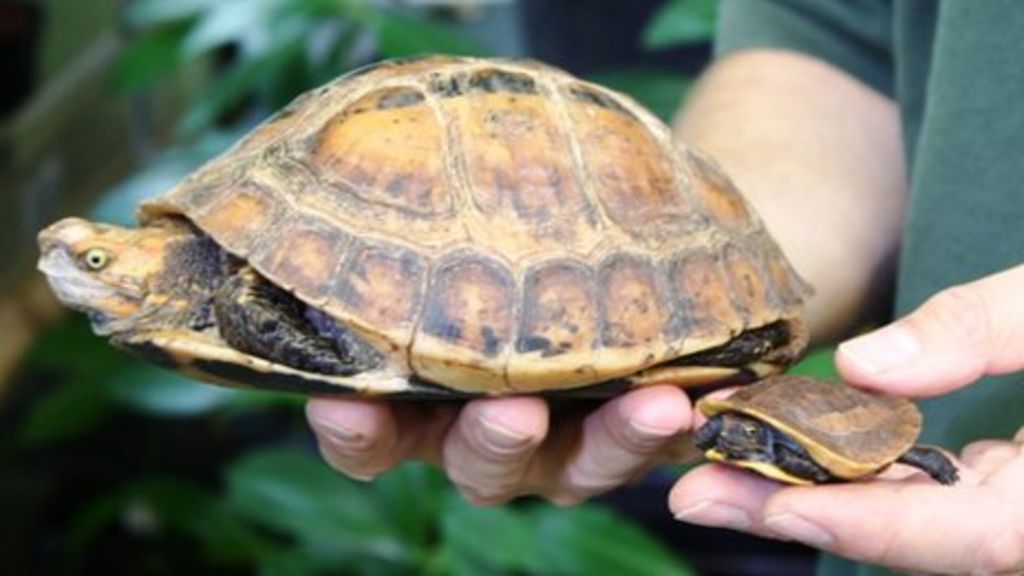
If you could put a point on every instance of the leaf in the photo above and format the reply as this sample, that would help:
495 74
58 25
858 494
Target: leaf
147 60
680 22
817 363
400 35
660 91
118 204
164 504
592 540
333 518
235 84
228 21
78 362
287 563
159 392
69 411
472 535
145 13
412 499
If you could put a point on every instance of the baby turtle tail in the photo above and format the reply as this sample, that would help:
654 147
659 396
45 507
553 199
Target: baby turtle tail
932 461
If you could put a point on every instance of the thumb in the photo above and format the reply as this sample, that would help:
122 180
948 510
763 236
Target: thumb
959 335
920 527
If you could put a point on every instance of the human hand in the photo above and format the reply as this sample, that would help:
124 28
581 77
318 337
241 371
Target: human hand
902 519
495 449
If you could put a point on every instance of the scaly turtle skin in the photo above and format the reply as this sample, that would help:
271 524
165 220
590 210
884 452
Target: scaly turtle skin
445 227
803 430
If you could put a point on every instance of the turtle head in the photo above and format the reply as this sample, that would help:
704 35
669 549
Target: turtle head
102 270
736 437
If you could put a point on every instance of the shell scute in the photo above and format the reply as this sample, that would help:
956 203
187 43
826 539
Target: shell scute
635 310
558 312
519 180
704 309
631 174
382 285
472 304
303 250
241 214
383 150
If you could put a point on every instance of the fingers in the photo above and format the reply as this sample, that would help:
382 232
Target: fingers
488 451
362 439
622 439
723 497
954 338
500 449
920 527
495 449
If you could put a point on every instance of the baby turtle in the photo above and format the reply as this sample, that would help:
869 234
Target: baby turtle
804 430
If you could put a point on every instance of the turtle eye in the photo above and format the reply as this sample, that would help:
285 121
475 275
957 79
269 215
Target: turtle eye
750 430
96 259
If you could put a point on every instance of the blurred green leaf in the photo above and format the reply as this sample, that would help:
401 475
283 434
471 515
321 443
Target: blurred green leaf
235 84
660 91
172 505
158 392
145 13
470 534
287 563
148 59
79 364
335 519
400 35
591 540
64 413
412 498
227 21
118 205
818 362
680 22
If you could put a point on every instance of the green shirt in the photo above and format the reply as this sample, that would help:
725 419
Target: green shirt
956 69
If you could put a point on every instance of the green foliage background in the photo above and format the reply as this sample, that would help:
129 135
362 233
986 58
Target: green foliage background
272 506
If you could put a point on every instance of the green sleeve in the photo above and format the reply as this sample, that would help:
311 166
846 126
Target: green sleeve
854 35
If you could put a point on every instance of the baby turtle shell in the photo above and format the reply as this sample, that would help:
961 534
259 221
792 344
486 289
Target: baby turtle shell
850 432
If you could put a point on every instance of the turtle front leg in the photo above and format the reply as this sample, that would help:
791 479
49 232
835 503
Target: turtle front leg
794 459
258 318
933 462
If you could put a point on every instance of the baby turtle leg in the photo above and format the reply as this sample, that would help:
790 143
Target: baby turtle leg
258 318
933 462
792 458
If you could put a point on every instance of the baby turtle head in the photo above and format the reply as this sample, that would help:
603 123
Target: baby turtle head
104 271
736 437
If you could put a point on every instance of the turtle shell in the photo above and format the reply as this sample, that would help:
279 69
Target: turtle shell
493 225
850 432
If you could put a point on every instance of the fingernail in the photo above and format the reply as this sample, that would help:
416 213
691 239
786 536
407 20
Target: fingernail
502 437
711 513
891 347
794 527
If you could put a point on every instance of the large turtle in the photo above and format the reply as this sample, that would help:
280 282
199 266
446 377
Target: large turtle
804 430
440 227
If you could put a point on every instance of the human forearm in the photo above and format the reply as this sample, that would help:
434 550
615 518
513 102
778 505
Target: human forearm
820 155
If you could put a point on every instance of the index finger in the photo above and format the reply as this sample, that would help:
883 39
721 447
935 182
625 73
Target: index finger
956 337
